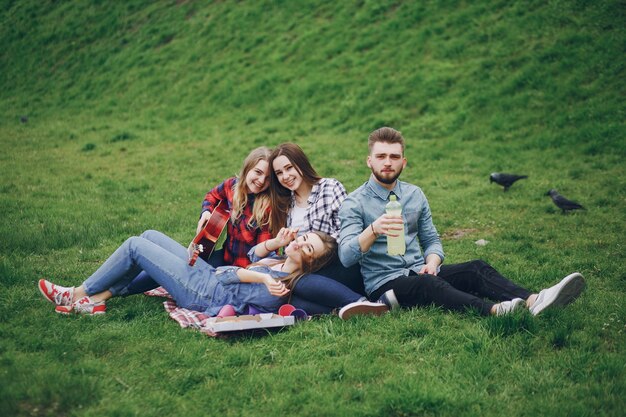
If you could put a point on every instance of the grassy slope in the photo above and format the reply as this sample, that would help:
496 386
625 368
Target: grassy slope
125 102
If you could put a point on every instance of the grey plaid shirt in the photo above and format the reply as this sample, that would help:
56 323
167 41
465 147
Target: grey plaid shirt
324 203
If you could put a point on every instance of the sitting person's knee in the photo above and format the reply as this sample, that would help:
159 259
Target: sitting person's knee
478 264
148 233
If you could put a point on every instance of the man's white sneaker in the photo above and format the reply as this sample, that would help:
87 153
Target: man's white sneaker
560 294
362 307
61 296
508 307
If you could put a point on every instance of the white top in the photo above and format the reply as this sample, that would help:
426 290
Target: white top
297 218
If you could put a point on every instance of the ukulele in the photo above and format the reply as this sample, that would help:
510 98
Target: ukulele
203 244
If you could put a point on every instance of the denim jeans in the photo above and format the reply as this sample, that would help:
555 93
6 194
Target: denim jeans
200 287
165 260
350 277
317 294
143 282
162 260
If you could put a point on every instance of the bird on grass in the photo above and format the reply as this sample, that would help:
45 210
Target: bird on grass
505 180
563 203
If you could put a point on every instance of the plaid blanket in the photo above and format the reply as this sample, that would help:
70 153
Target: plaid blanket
184 317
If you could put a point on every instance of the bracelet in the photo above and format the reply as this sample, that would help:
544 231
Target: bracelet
373 231
265 246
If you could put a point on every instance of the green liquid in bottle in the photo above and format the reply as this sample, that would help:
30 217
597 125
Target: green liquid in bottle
395 244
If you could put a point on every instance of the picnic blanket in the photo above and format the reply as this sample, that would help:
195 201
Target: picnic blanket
227 319
184 317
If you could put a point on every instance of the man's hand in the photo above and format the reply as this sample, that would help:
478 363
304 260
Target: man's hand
432 265
430 269
388 225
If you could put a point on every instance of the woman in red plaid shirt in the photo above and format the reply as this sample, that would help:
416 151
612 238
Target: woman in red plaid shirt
247 199
249 205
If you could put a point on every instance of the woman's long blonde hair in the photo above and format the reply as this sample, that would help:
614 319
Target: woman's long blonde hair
310 263
261 207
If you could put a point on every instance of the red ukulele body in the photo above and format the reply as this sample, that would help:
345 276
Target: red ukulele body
204 242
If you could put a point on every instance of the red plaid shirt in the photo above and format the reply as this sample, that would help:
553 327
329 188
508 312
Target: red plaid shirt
241 237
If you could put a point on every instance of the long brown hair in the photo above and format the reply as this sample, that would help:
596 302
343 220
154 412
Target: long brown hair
280 196
310 263
260 209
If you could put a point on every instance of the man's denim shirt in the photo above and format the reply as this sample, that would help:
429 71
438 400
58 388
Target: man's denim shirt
367 203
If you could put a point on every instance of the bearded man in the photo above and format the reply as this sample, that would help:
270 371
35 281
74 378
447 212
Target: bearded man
418 278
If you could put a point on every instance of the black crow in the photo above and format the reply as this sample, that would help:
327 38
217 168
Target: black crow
563 203
505 180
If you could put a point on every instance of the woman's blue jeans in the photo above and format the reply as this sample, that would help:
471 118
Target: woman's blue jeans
165 260
317 294
143 282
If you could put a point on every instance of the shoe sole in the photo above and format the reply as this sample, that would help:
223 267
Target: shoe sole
67 310
357 310
571 287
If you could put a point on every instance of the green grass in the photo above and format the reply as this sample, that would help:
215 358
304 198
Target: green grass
136 108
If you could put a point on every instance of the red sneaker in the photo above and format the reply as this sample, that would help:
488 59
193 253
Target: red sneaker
61 296
84 305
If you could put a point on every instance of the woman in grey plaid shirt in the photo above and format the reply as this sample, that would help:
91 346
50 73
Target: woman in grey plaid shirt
302 199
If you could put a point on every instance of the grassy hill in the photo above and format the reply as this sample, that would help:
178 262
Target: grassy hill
116 117
439 70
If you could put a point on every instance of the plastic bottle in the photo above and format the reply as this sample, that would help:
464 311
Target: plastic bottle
395 245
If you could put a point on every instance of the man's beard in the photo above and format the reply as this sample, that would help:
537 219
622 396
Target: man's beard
387 180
